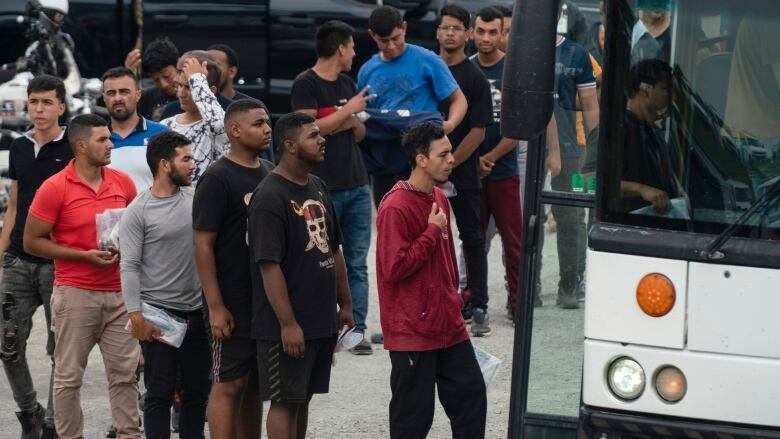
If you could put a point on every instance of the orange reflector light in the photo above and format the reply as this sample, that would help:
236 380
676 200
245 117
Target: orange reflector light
655 295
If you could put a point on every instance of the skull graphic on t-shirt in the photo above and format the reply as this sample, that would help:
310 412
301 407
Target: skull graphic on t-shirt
314 213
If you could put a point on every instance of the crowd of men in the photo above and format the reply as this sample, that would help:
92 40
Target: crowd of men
278 223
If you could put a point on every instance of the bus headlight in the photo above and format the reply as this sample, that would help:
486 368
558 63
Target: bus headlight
670 383
626 378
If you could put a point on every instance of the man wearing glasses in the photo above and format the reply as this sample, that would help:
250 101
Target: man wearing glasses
453 33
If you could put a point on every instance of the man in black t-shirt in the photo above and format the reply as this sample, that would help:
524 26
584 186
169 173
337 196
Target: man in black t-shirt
453 33
158 62
327 94
294 238
222 255
28 280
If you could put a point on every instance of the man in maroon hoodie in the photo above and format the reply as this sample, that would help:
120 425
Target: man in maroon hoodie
419 303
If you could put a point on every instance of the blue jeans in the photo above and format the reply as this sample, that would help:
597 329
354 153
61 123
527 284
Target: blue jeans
25 286
353 209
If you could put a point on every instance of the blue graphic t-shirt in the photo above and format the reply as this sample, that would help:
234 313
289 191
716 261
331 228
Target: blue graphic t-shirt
417 80
573 71
506 166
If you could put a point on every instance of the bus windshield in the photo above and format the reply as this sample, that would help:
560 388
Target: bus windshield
694 116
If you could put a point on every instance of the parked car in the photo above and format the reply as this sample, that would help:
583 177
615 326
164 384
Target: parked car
274 39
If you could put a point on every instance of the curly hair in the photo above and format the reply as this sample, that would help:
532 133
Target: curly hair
418 140
158 55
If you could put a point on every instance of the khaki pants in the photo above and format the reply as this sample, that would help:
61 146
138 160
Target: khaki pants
81 320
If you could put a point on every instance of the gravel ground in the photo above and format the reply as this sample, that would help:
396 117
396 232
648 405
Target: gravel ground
357 405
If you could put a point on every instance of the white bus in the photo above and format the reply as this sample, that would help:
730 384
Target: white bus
682 330
679 332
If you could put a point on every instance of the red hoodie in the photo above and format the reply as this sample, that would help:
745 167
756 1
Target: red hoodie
416 272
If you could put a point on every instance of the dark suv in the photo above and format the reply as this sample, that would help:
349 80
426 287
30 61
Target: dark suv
274 39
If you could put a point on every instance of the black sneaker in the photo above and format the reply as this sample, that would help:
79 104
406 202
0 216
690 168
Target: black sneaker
377 338
567 301
110 432
362 348
32 422
480 327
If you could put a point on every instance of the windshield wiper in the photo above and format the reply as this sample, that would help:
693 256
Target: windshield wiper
765 201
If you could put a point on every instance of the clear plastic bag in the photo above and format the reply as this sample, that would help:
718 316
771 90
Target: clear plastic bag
108 229
347 339
173 328
488 364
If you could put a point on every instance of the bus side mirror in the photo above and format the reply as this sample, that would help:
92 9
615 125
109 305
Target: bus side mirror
529 70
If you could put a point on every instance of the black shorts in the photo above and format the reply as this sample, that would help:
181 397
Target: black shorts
232 358
286 379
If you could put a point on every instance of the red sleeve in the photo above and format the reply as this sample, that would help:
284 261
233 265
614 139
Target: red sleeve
47 202
399 254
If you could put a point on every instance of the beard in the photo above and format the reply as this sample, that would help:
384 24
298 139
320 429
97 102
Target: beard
180 179
99 159
121 115
310 161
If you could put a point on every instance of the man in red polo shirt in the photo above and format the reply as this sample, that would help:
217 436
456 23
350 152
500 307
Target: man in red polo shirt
87 307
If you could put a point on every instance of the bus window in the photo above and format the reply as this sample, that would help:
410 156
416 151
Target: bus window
555 367
699 137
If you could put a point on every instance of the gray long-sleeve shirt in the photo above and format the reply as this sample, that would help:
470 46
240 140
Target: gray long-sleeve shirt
157 260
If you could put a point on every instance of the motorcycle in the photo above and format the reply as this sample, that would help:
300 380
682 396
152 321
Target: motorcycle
50 52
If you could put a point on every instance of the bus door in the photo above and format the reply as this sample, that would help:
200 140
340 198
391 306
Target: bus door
558 185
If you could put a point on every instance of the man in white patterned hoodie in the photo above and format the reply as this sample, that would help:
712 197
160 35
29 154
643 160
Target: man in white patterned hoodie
203 118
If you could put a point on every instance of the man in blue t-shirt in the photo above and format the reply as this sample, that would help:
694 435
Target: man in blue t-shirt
575 89
129 130
405 77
